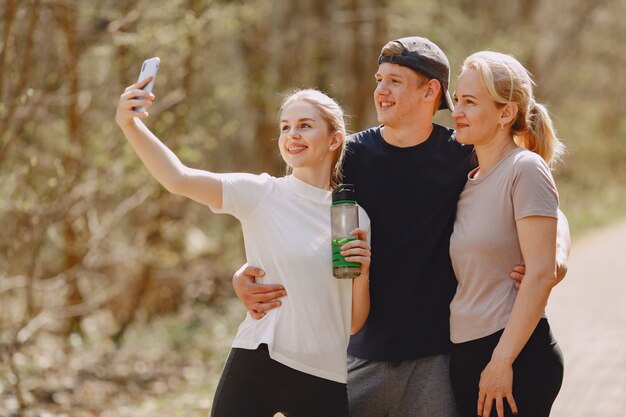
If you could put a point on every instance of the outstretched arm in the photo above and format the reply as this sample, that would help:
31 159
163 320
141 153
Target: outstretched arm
202 186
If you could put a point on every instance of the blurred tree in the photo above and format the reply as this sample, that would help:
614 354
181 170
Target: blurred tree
84 229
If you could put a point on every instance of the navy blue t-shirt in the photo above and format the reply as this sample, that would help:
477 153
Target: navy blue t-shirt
410 195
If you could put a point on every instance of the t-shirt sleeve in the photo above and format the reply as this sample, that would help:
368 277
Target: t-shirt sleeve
534 192
242 193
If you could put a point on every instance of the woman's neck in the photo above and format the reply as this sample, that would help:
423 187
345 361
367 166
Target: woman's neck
491 153
313 177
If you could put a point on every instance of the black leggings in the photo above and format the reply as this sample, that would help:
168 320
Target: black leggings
537 373
254 385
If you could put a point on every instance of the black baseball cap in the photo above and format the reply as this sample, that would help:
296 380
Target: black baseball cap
423 56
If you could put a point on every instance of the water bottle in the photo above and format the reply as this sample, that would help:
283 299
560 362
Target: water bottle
344 218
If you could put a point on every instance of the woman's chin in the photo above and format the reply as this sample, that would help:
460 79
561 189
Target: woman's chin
464 140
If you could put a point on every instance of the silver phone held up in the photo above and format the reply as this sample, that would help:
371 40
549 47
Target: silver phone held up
150 67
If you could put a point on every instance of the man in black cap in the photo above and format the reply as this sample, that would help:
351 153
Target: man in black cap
408 173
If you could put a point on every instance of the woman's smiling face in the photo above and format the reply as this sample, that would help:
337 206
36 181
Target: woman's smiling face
305 137
475 113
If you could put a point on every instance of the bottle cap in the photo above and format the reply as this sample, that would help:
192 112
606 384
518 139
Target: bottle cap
344 194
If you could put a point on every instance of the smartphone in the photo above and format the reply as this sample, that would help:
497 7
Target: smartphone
148 68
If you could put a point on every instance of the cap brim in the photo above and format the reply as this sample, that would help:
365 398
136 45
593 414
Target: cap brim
446 101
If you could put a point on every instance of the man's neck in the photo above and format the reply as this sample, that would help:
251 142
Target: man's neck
407 136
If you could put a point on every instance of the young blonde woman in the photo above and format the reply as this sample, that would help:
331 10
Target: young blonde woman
299 350
504 360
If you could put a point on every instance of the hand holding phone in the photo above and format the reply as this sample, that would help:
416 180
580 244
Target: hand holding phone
150 67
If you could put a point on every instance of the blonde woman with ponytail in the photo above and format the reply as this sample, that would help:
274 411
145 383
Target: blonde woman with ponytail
504 359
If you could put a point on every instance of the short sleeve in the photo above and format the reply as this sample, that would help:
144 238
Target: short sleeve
242 193
534 192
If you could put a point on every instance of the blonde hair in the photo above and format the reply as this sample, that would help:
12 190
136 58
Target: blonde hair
332 113
507 81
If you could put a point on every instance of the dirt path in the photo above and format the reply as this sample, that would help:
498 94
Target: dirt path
587 313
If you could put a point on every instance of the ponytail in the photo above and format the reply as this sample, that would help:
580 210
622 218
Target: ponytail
539 135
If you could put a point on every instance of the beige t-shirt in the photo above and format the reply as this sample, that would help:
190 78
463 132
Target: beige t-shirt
484 246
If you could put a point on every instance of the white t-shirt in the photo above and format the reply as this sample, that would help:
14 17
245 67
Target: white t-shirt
484 246
286 231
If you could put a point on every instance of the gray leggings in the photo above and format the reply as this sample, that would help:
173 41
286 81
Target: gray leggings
412 388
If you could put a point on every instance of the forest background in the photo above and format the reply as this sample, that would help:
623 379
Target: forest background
115 296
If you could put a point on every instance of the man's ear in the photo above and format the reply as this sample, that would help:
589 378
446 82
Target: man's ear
433 89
